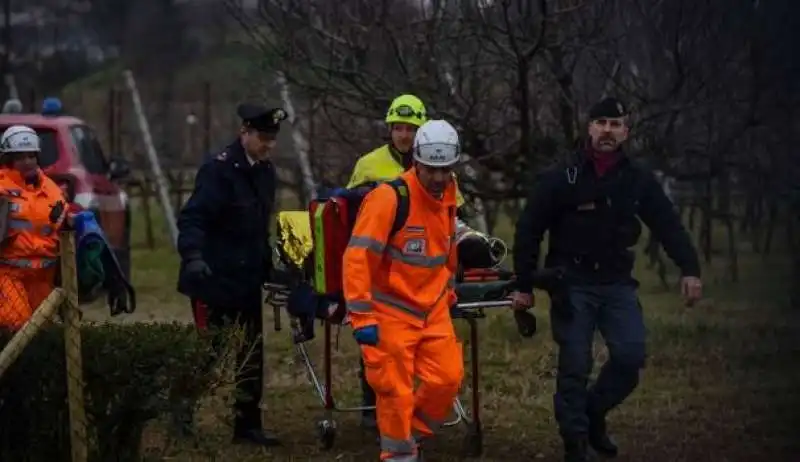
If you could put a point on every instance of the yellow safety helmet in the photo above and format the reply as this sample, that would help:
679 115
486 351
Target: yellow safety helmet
406 109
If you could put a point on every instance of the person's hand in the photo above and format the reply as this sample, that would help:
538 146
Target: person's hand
521 301
198 269
691 289
526 323
56 210
367 335
452 298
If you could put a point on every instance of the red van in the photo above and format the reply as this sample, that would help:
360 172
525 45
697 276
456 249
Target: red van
72 156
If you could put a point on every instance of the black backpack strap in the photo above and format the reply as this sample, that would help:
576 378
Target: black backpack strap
403 204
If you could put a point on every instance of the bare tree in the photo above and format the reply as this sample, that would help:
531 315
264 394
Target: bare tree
516 75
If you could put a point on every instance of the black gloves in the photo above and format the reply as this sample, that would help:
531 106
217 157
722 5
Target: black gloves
197 269
56 210
526 323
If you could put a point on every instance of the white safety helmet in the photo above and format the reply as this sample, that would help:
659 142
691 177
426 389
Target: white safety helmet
19 138
436 144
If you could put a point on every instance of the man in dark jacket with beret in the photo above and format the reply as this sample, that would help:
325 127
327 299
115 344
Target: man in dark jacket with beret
591 207
225 254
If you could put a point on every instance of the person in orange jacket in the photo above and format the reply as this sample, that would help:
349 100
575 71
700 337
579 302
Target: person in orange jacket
399 291
36 209
405 115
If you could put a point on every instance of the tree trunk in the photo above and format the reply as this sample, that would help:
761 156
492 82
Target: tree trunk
771 222
724 191
707 225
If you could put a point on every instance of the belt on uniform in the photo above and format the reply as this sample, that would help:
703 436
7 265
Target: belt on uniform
592 264
28 263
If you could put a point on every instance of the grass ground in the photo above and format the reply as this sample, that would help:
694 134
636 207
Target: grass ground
722 382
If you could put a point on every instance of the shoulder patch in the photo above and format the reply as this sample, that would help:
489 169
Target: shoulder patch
222 156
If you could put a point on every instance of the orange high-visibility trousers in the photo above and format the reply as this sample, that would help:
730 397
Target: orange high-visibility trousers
22 290
432 354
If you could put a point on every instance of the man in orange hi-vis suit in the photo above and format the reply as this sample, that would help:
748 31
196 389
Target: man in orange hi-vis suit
35 210
399 290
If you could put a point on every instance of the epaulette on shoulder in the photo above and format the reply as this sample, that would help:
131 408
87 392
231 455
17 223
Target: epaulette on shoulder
222 157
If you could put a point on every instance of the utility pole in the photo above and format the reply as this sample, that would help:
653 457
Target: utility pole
5 64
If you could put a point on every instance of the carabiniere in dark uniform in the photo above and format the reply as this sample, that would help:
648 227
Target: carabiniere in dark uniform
590 206
225 251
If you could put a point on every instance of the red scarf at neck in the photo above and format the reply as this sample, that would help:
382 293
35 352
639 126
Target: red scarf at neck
603 161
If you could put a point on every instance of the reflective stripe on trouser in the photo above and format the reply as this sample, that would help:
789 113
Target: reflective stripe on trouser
435 354
398 450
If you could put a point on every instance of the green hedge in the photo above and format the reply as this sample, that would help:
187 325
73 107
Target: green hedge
133 374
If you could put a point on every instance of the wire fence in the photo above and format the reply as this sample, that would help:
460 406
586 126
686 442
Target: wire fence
29 304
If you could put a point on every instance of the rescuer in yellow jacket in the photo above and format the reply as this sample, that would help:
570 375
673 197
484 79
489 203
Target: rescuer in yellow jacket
399 289
405 115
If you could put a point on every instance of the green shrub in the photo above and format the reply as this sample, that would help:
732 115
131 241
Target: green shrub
133 373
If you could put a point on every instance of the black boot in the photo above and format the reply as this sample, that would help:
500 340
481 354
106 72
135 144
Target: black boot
249 431
368 420
598 436
256 436
368 399
575 449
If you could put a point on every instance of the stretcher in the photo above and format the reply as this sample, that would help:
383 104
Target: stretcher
477 290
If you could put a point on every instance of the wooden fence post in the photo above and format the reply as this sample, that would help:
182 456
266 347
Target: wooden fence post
74 355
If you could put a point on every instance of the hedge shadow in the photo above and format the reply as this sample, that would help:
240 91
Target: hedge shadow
133 373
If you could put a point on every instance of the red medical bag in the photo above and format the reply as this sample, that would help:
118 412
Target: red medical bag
330 230
332 222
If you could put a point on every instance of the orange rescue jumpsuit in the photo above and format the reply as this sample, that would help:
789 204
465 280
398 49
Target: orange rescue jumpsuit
29 252
405 286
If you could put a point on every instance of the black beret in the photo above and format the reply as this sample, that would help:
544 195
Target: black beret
608 108
260 118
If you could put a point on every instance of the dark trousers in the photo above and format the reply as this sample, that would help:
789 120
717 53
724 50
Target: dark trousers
615 311
367 393
249 361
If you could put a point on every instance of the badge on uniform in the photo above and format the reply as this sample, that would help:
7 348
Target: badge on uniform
223 155
586 206
415 229
414 247
278 116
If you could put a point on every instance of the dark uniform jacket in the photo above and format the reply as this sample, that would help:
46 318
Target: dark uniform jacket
594 221
225 222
